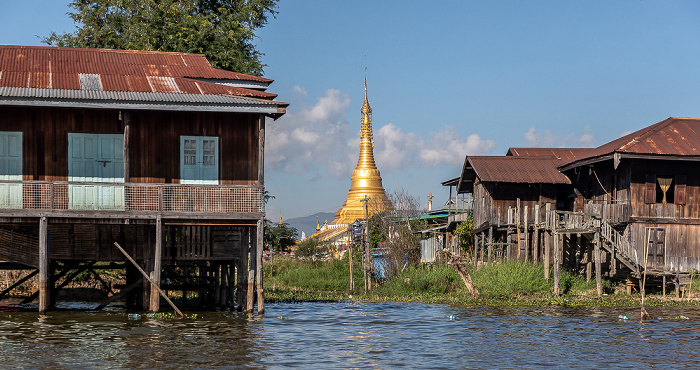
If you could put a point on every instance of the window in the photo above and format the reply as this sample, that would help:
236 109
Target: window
664 189
199 160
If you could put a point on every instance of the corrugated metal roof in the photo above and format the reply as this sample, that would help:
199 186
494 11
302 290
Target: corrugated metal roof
120 70
528 170
561 153
135 100
673 137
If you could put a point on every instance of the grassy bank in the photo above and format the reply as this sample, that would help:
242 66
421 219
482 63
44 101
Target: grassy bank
507 283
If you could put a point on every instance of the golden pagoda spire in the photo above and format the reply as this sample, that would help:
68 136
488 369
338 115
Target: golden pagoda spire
281 224
318 225
366 180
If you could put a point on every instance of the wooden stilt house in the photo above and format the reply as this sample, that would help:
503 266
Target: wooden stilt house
509 194
158 152
646 187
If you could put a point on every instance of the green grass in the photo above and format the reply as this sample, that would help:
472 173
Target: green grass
506 283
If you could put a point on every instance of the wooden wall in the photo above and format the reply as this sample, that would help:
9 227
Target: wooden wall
491 200
682 243
690 207
155 140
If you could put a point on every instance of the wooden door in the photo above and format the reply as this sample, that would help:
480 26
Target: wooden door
656 247
11 169
199 160
96 158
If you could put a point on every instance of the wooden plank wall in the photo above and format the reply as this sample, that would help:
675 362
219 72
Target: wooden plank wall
682 244
689 210
155 140
491 200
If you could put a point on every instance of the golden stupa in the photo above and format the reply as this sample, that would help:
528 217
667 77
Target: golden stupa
365 181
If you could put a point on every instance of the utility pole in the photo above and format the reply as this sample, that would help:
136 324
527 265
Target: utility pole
368 277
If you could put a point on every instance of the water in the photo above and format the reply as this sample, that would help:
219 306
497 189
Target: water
357 335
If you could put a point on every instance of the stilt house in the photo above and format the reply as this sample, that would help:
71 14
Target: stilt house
158 152
646 186
512 191
630 206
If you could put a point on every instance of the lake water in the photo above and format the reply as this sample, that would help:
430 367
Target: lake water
357 335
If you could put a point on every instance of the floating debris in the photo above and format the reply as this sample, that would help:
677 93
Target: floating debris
623 317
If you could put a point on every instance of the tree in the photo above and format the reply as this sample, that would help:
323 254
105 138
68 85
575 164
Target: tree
280 237
464 231
222 30
397 230
312 249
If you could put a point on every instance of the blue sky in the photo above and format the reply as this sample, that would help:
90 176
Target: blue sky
447 80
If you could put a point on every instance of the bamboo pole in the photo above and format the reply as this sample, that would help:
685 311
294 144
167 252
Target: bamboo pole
148 278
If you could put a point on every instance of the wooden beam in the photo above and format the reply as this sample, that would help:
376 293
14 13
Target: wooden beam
598 272
126 121
148 278
119 295
44 278
157 257
18 283
556 263
259 265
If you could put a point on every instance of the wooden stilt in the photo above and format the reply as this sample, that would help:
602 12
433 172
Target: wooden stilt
157 255
44 278
556 264
526 233
598 272
548 239
476 249
483 236
536 235
490 245
259 266
250 289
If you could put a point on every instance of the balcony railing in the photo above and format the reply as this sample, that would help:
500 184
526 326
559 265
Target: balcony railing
63 195
615 213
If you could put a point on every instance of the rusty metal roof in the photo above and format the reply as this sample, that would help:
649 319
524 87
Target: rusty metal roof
512 169
560 153
671 137
121 70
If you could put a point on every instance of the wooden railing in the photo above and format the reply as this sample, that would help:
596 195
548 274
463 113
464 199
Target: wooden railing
615 213
63 195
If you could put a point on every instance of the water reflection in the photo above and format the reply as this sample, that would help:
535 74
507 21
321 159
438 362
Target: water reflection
356 335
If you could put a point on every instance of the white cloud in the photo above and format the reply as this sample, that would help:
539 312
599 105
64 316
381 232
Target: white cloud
319 139
547 139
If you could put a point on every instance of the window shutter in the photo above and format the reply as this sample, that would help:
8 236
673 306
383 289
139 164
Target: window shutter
680 190
650 189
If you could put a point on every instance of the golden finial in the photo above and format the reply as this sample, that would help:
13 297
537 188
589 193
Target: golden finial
366 180
318 225
281 224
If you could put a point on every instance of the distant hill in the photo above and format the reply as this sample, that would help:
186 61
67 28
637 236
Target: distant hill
308 224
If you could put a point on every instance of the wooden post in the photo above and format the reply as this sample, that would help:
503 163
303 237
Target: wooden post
242 270
509 242
483 244
598 272
556 263
259 267
589 263
476 249
250 290
490 244
663 285
517 225
526 233
44 275
126 121
548 239
148 278
536 235
157 256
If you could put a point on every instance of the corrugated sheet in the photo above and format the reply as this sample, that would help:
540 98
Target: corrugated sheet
673 136
561 153
119 70
528 170
24 92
